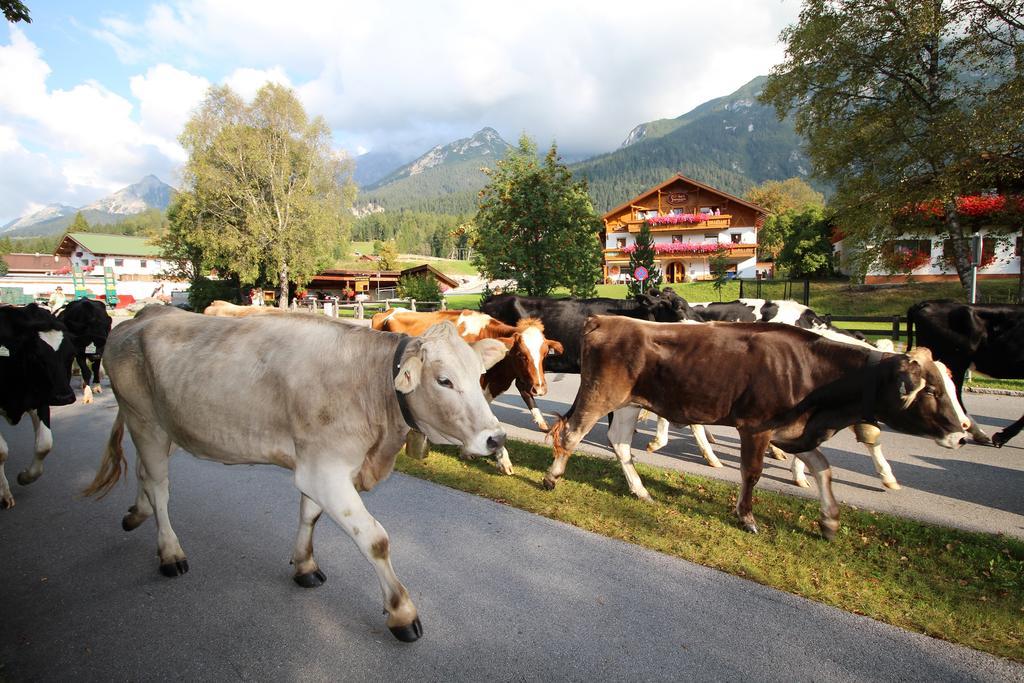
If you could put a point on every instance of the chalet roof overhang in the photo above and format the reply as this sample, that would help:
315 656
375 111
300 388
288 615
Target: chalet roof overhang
677 177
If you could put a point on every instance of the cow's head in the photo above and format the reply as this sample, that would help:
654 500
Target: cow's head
440 377
662 307
919 398
36 356
527 351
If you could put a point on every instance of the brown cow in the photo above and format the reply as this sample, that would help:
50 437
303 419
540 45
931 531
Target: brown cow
226 309
523 365
775 384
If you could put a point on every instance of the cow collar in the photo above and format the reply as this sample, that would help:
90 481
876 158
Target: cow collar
872 374
396 366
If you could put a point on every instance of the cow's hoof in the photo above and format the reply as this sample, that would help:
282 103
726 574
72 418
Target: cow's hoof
999 439
25 478
802 483
829 527
410 633
172 569
131 521
982 438
97 389
645 497
891 484
550 483
504 469
310 579
750 527
6 503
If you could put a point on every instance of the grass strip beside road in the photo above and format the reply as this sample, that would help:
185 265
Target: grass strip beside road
963 587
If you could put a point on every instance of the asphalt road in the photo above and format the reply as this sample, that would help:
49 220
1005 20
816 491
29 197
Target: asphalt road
978 488
504 595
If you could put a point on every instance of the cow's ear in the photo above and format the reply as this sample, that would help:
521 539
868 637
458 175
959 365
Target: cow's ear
408 377
442 330
555 348
909 380
490 351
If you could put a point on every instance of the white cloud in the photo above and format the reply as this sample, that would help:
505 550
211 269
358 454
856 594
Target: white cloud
582 72
246 82
167 97
77 144
398 74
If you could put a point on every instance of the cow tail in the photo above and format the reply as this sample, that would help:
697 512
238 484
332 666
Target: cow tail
113 465
555 434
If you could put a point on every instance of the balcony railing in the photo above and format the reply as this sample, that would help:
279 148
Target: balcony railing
716 222
740 251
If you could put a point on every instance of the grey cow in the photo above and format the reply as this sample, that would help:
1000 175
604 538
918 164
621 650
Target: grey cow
330 401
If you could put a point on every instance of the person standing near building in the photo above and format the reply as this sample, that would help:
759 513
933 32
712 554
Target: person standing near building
57 300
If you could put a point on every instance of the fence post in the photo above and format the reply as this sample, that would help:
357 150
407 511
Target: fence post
895 328
359 310
807 292
444 304
412 304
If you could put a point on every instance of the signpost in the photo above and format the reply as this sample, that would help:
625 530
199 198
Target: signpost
641 274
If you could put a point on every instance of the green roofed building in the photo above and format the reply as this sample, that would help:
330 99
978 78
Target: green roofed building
132 258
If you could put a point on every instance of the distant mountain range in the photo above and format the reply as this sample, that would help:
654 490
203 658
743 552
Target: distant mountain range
445 179
148 193
731 143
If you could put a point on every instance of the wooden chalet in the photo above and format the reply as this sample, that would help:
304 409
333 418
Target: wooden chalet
335 281
690 223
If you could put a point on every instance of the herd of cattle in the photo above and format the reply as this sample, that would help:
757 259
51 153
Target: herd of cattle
335 402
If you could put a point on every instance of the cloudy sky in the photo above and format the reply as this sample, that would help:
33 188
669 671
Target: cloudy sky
95 94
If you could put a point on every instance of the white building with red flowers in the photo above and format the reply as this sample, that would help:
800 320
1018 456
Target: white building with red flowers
690 223
925 254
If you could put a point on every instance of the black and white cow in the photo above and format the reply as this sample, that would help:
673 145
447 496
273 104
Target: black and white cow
88 326
34 361
989 337
752 311
563 321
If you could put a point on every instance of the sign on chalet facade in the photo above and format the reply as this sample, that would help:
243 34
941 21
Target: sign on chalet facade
690 222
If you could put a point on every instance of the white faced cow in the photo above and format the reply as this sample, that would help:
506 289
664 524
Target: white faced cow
330 401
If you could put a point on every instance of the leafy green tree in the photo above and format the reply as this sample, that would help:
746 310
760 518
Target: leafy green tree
419 287
719 265
782 199
270 192
780 196
643 256
388 254
536 226
808 248
15 11
901 100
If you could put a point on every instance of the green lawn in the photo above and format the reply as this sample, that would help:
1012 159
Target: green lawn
963 587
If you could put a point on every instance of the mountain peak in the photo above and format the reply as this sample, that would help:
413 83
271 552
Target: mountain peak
148 193
486 143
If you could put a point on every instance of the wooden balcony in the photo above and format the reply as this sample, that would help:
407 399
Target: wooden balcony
720 222
736 251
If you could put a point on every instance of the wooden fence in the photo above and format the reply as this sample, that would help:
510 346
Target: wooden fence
360 309
776 289
898 327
